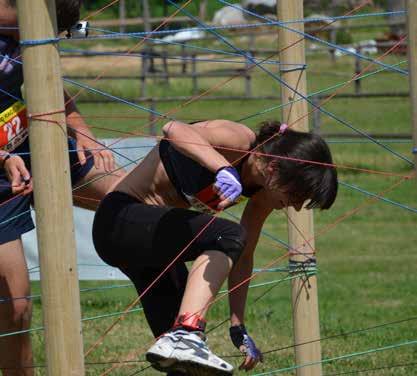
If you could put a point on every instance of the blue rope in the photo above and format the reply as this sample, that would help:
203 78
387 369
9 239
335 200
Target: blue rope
38 296
341 357
393 141
275 77
137 106
39 42
190 46
97 91
381 198
321 41
74 189
269 73
182 58
15 217
252 25
277 240
10 94
305 21
387 148
273 108
97 149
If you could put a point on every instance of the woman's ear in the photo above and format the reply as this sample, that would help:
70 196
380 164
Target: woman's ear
272 167
271 173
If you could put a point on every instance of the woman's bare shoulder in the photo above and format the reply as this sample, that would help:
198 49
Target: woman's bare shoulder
227 132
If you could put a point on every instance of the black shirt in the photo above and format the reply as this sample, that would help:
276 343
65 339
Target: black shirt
193 182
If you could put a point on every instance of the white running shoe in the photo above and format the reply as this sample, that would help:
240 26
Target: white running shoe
186 352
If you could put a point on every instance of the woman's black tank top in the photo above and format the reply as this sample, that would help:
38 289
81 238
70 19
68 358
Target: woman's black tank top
192 181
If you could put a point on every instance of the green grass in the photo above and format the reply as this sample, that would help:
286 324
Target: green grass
367 263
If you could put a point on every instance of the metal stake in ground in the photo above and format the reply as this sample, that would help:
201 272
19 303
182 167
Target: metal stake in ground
52 188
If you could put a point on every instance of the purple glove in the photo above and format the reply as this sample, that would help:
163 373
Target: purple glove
240 337
228 183
250 347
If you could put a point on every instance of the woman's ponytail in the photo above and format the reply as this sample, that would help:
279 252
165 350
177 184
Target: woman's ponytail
267 131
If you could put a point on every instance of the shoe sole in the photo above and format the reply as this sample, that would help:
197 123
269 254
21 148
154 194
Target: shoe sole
188 367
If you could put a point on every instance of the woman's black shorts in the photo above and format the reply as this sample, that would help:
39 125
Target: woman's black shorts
128 232
142 240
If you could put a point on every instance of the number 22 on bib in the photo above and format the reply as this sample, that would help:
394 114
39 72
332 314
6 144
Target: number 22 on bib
13 127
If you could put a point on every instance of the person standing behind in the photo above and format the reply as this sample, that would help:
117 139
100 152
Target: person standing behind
91 171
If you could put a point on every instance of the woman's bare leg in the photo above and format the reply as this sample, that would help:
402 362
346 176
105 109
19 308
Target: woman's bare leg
207 275
93 187
15 314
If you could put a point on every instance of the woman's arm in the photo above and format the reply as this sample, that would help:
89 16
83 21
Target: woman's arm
79 130
8 18
76 124
198 142
253 218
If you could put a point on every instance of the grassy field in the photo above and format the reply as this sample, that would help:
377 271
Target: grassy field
367 263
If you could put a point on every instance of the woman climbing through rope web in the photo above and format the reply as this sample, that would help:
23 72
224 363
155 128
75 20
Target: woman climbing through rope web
145 227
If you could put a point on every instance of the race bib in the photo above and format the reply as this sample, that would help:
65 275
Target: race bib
13 127
206 200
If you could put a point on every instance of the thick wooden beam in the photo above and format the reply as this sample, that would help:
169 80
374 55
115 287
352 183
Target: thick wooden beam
52 189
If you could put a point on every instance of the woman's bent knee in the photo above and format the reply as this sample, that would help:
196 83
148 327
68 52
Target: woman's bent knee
232 241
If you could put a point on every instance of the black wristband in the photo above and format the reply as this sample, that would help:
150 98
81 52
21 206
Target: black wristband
236 335
223 168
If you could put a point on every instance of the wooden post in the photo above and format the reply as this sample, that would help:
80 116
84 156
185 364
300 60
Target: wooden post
152 118
52 190
202 11
184 59
148 28
248 70
316 116
194 73
397 23
122 16
146 16
412 58
248 77
358 70
144 72
333 40
164 56
304 292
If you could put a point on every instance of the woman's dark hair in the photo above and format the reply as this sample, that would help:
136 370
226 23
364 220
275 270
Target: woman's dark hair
68 12
297 171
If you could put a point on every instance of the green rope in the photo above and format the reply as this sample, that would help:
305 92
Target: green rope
403 365
342 334
85 319
303 267
130 311
317 93
111 314
281 270
102 288
342 357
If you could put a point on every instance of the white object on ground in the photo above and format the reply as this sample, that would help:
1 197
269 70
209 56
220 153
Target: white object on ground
183 36
229 16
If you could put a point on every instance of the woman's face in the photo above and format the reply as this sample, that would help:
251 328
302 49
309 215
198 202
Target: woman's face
280 198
